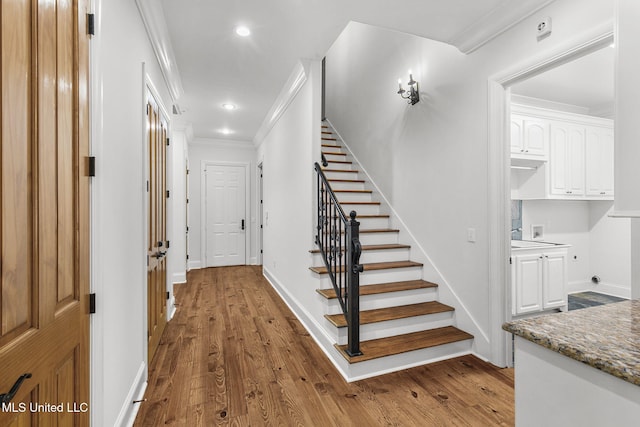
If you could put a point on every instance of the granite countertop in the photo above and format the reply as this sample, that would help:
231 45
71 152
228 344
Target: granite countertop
606 337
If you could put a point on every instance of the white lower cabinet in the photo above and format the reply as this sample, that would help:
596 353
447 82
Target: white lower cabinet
539 280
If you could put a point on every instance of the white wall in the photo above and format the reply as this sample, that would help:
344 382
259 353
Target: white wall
610 250
201 150
567 222
119 331
177 226
430 160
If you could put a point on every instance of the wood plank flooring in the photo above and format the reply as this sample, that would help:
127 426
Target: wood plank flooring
234 354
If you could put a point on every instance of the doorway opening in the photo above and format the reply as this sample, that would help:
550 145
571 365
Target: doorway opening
500 225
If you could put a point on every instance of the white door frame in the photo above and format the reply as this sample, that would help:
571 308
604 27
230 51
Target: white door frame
203 207
260 215
499 174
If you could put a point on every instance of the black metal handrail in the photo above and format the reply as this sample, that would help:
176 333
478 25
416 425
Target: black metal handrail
339 241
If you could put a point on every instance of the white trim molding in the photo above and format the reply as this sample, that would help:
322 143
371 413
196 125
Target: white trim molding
289 91
499 225
129 409
153 17
494 23
203 210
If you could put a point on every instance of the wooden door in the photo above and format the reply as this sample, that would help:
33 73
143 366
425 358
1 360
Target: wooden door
225 207
157 227
44 212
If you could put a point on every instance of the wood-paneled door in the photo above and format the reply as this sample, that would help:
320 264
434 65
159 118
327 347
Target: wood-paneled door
44 212
157 226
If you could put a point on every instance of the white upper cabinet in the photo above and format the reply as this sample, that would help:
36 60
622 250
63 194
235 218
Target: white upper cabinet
566 163
599 152
529 137
566 156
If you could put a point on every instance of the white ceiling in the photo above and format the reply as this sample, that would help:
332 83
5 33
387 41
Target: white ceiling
586 82
216 66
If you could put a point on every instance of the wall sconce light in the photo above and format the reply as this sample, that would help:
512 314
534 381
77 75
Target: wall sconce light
412 94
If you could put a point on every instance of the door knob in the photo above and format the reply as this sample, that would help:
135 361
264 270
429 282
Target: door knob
242 224
6 398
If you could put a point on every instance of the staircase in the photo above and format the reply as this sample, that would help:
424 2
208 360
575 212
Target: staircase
401 322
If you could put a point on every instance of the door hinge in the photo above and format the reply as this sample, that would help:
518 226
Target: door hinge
147 186
260 250
187 200
187 229
167 194
260 225
187 171
92 166
168 143
92 303
148 106
168 242
147 260
187 256
510 260
91 24
167 294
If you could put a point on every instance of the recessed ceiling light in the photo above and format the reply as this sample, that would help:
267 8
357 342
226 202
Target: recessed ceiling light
243 31
229 107
225 131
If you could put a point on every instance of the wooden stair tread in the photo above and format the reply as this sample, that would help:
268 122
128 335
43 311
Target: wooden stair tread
378 230
356 181
340 162
391 313
324 132
326 153
339 170
374 266
398 344
331 146
383 288
374 247
328 139
353 191
342 202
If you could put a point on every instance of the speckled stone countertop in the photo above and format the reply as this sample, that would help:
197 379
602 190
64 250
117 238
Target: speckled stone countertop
606 337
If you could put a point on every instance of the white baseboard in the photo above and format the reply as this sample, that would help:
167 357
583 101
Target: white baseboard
171 307
195 265
129 409
253 261
180 277
603 288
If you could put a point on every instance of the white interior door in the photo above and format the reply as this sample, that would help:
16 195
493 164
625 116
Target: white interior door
225 208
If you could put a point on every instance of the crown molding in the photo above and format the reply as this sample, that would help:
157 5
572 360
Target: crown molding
153 17
494 23
294 83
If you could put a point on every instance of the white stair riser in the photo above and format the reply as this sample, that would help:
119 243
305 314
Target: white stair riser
378 238
354 197
340 166
334 149
347 185
360 209
408 359
341 175
329 156
389 299
378 276
373 223
388 255
391 328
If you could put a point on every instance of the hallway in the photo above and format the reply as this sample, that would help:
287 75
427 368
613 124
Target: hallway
235 354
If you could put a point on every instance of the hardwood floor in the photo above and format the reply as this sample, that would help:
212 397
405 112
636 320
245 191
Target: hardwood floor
234 354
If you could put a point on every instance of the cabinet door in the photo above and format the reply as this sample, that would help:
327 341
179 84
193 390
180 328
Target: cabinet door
536 137
554 283
599 162
528 283
517 135
567 161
